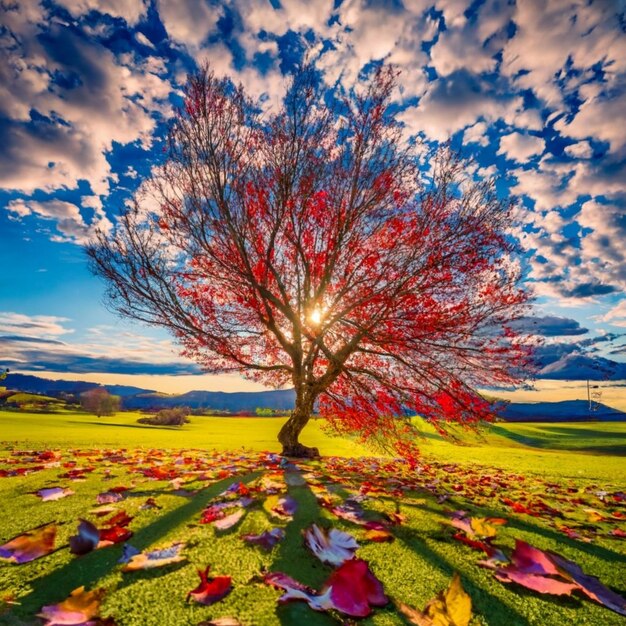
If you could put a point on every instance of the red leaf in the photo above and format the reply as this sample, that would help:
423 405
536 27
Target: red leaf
353 588
210 590
590 585
542 584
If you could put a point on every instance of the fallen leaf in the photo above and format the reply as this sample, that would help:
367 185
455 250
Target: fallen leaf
589 585
267 539
332 546
30 545
536 582
378 535
531 560
352 589
78 609
210 590
155 558
229 521
283 507
452 607
50 494
86 540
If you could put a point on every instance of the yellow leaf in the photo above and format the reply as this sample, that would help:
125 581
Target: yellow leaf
270 503
482 528
81 606
452 607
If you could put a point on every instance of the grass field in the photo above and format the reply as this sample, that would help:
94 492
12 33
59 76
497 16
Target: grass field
555 485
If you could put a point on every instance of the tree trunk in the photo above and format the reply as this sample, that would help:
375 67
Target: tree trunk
289 433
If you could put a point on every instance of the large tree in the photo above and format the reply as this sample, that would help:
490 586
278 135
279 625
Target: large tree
306 248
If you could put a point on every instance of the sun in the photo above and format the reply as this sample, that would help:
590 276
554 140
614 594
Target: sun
315 317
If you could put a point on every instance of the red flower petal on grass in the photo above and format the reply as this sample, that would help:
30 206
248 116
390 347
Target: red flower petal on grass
210 590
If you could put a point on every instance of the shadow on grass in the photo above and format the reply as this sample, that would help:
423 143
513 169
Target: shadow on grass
87 570
565 435
142 426
293 558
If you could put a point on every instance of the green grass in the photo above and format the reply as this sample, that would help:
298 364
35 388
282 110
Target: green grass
523 460
82 430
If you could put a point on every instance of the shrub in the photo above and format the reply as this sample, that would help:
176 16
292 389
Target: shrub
167 417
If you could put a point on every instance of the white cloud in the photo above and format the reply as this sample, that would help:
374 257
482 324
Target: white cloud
42 326
453 103
66 216
189 22
601 118
617 315
130 10
476 134
521 147
551 32
580 150
108 99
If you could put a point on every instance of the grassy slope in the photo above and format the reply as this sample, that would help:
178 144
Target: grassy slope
413 568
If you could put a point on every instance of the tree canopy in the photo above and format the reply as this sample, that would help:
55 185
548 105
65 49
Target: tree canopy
315 247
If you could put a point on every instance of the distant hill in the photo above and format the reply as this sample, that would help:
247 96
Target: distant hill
565 411
45 386
282 400
138 398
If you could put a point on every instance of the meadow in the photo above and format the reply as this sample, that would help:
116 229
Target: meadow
558 487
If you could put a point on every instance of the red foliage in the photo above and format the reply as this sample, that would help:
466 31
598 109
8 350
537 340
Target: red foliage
303 250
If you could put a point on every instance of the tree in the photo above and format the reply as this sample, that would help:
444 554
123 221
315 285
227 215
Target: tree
99 402
301 248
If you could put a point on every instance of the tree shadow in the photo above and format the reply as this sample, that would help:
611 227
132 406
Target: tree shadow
513 521
141 426
88 569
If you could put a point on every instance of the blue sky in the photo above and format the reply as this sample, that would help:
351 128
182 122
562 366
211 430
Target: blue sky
533 92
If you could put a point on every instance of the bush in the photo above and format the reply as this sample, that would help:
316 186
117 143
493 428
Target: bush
167 417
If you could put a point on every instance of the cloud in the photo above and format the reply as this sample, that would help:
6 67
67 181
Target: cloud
65 99
454 102
580 150
189 21
476 134
67 217
33 326
600 118
40 342
549 326
521 147
617 315
46 360
130 10
552 33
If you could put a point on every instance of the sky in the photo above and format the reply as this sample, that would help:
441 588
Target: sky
533 92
